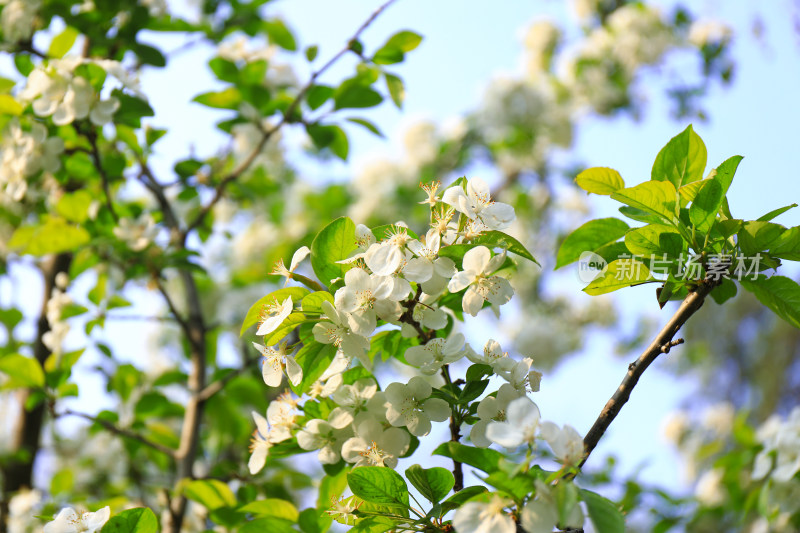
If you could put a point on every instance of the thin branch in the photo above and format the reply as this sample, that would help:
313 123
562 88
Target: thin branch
287 115
184 324
141 318
92 136
128 434
661 344
215 387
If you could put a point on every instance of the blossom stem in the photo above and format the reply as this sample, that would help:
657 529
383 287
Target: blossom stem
455 433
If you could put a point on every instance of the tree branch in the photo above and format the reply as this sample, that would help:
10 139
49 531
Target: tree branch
92 136
287 116
128 434
661 344
455 435
215 387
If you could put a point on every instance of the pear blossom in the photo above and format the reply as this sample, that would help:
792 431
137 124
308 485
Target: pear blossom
260 444
494 356
24 153
431 189
17 19
386 257
566 442
69 521
492 408
355 398
477 278
780 438
520 376
520 425
366 297
323 388
374 445
410 405
485 517
276 361
326 436
343 511
281 270
426 314
430 357
138 233
337 331
476 203
273 315
432 271
540 515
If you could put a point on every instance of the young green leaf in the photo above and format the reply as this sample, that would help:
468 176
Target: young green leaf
498 239
433 483
725 172
229 98
272 507
396 89
254 313
22 371
605 516
756 236
588 238
353 93
656 197
706 204
621 273
461 497
314 358
377 484
137 520
682 160
210 493
775 212
600 180
62 43
655 239
779 293
484 459
788 245
335 242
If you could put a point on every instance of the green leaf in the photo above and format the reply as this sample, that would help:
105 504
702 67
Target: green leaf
10 106
311 52
639 215
460 498
757 236
706 204
498 239
654 239
367 124
656 197
286 327
724 173
775 212
378 484
6 85
621 273
24 64
62 42
254 313
565 494
22 371
272 507
314 358
279 34
331 137
55 235
138 520
779 293
588 238
131 110
210 493
229 98
253 73
605 516
74 206
62 482
312 303
224 69
484 459
395 48
724 291
397 89
335 242
353 93
600 180
433 483
267 525
318 95
788 245
682 160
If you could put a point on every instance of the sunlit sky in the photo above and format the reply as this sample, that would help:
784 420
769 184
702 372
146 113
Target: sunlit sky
466 43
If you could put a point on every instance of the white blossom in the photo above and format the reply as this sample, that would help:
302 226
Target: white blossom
337 331
485 517
374 445
366 297
476 203
492 408
479 265
273 315
434 354
69 521
276 361
541 514
566 442
17 19
326 436
410 405
520 425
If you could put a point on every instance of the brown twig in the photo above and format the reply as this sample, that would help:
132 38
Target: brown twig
92 136
661 344
455 435
287 116
128 434
215 387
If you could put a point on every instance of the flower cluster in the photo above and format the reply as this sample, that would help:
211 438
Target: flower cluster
24 153
18 19
54 338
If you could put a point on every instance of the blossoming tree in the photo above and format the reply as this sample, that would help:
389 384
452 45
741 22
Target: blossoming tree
367 333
